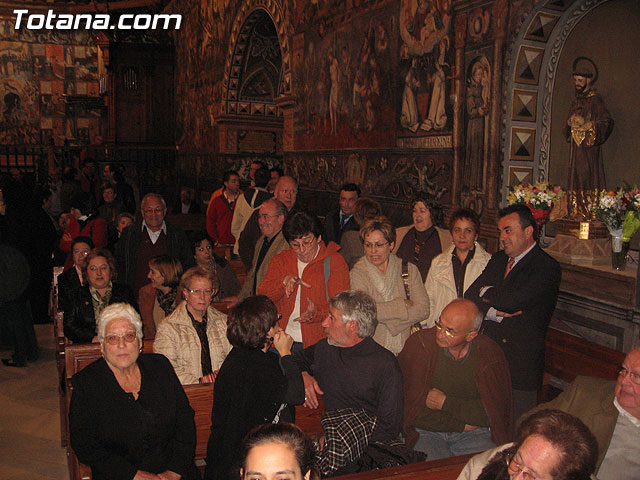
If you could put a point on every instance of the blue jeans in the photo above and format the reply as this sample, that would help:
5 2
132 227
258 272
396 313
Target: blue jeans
449 444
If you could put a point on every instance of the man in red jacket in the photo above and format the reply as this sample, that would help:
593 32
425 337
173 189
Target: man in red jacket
220 212
300 281
457 387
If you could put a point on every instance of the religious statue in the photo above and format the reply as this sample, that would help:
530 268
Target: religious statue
478 106
588 126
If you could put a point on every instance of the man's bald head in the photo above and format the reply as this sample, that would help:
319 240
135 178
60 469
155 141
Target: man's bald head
627 390
286 191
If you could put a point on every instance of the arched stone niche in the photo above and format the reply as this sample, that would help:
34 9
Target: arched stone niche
539 88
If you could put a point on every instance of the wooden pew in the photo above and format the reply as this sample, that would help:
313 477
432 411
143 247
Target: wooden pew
200 398
443 469
568 356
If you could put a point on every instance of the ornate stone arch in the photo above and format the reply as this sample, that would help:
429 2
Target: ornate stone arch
529 76
250 12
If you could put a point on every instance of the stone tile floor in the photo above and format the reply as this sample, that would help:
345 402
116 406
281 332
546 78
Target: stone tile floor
30 417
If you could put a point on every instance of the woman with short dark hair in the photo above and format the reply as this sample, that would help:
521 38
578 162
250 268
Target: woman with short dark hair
250 388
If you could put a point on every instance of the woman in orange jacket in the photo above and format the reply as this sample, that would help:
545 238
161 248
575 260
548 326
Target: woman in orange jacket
300 281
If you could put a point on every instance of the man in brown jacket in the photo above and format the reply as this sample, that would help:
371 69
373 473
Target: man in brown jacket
457 387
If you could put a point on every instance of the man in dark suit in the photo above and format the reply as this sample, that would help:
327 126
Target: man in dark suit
341 220
142 241
517 293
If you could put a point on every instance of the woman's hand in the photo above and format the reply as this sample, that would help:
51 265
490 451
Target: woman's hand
290 283
308 314
282 342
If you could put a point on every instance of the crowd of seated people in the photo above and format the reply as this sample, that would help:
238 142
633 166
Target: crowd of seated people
417 345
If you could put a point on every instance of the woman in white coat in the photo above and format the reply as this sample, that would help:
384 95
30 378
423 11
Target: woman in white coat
456 268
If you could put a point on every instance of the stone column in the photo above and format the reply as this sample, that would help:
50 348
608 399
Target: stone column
499 15
460 29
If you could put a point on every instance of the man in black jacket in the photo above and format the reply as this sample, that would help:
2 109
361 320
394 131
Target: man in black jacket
341 220
517 293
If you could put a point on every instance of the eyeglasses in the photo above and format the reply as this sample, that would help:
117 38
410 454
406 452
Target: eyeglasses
207 293
370 246
114 339
449 332
633 376
514 468
83 252
303 243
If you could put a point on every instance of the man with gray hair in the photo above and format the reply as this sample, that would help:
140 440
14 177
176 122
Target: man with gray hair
350 369
457 386
144 240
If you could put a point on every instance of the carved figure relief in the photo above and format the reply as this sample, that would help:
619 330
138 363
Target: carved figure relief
478 104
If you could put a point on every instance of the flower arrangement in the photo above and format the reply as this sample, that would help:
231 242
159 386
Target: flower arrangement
620 211
541 195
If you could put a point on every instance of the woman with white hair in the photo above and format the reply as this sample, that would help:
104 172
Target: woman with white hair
129 416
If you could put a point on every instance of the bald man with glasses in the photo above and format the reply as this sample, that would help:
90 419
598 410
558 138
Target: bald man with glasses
457 386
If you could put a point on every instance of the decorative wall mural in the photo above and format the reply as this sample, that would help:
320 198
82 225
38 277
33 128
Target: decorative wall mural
541 27
39 71
424 75
344 81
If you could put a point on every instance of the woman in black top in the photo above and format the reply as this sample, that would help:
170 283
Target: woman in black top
98 291
250 388
129 416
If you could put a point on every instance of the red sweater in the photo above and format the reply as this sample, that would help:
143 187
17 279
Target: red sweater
95 229
285 263
219 216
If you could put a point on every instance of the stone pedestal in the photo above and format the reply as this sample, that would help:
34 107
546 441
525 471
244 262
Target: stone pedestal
574 251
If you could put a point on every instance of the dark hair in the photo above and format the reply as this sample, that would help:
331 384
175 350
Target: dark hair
365 207
108 256
525 215
300 224
196 239
434 207
83 239
261 177
84 202
249 321
118 176
170 268
573 441
227 175
277 169
466 214
286 434
350 187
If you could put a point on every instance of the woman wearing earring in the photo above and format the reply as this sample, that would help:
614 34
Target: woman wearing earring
129 416
455 269
421 242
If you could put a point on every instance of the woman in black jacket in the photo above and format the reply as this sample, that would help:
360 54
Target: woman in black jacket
250 388
98 291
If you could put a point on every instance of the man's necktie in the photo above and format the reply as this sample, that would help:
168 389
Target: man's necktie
509 266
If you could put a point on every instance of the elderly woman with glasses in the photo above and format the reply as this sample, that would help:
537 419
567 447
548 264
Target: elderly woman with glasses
394 284
300 281
194 336
251 388
98 290
550 445
129 416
